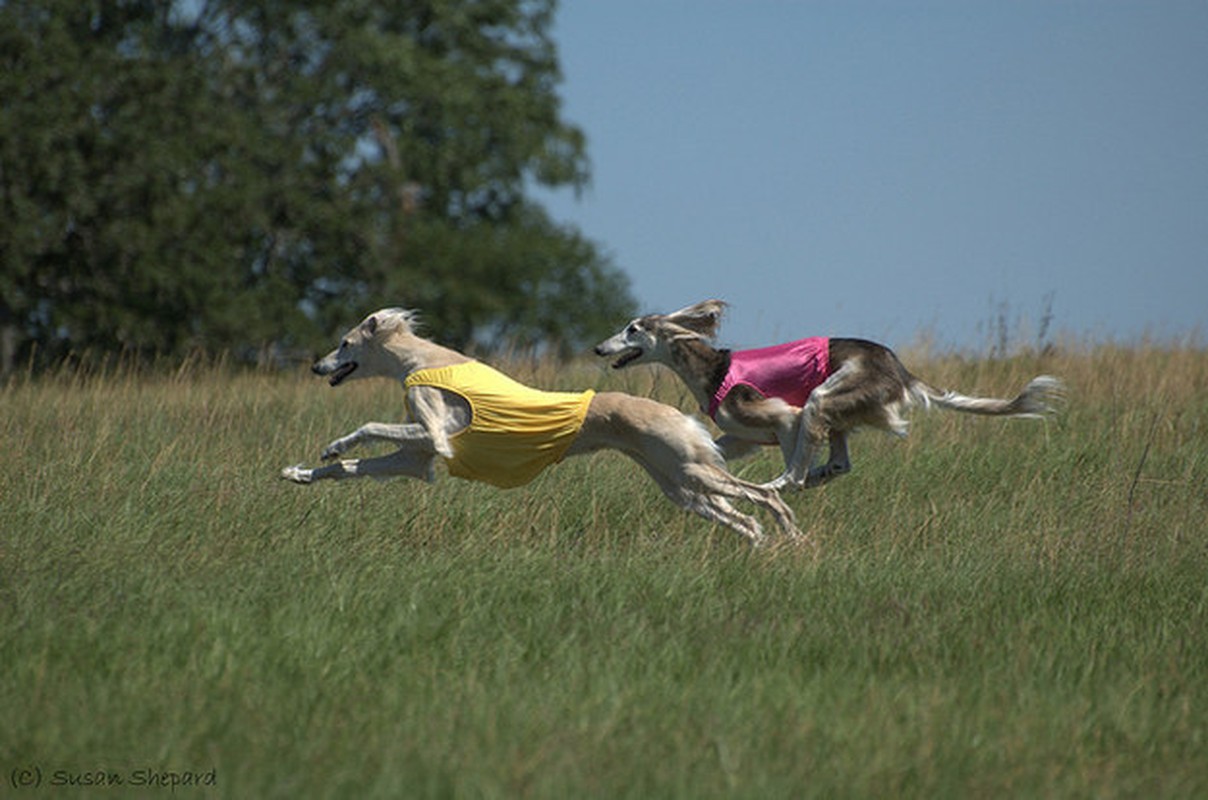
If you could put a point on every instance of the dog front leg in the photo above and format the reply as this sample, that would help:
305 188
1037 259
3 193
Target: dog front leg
797 448
405 462
799 459
403 435
757 419
429 410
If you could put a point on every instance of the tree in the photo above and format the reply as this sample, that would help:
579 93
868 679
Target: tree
222 174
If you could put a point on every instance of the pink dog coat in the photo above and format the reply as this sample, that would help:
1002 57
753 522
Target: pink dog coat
788 371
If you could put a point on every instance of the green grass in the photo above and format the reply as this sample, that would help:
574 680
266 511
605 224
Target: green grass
989 608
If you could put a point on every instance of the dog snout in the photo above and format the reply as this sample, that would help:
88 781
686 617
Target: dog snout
325 365
608 346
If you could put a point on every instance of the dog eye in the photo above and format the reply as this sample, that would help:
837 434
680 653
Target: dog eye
633 328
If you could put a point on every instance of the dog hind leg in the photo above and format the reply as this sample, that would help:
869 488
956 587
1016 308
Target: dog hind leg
715 481
686 493
732 447
839 463
717 509
677 452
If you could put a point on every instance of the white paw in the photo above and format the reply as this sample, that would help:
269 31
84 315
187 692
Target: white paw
297 474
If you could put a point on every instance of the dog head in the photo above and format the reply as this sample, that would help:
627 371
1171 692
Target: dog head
646 339
362 352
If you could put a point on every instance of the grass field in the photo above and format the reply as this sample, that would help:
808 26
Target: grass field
990 608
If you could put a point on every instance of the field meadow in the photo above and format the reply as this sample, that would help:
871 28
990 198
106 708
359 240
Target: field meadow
987 608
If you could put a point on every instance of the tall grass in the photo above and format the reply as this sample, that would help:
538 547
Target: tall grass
988 608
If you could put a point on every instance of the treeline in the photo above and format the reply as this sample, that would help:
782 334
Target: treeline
232 176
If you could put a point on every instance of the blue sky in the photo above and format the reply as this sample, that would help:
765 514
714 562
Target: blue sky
898 170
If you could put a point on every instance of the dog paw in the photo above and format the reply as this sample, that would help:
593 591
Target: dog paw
820 475
297 474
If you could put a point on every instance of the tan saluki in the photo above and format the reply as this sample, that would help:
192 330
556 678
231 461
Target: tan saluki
487 427
799 394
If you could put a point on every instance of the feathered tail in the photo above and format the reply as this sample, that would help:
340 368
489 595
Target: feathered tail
1042 396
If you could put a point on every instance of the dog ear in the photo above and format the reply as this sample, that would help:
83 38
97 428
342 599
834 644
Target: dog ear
702 318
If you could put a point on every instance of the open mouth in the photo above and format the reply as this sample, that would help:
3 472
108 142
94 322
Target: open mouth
627 356
342 372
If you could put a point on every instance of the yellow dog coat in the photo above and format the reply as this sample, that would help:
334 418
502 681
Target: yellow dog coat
515 431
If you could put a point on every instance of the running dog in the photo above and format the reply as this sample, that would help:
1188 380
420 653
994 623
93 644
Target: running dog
798 394
488 427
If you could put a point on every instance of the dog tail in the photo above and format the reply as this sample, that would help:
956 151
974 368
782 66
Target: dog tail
1042 396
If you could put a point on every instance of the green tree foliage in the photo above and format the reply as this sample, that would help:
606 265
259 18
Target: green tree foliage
228 175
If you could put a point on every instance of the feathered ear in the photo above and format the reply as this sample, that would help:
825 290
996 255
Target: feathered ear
701 318
390 319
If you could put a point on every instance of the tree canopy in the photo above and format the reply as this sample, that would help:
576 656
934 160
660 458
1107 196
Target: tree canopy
231 175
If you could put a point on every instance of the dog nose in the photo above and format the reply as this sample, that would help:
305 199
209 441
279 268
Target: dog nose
599 350
317 368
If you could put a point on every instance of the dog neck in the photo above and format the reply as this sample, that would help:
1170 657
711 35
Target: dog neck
410 353
701 366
